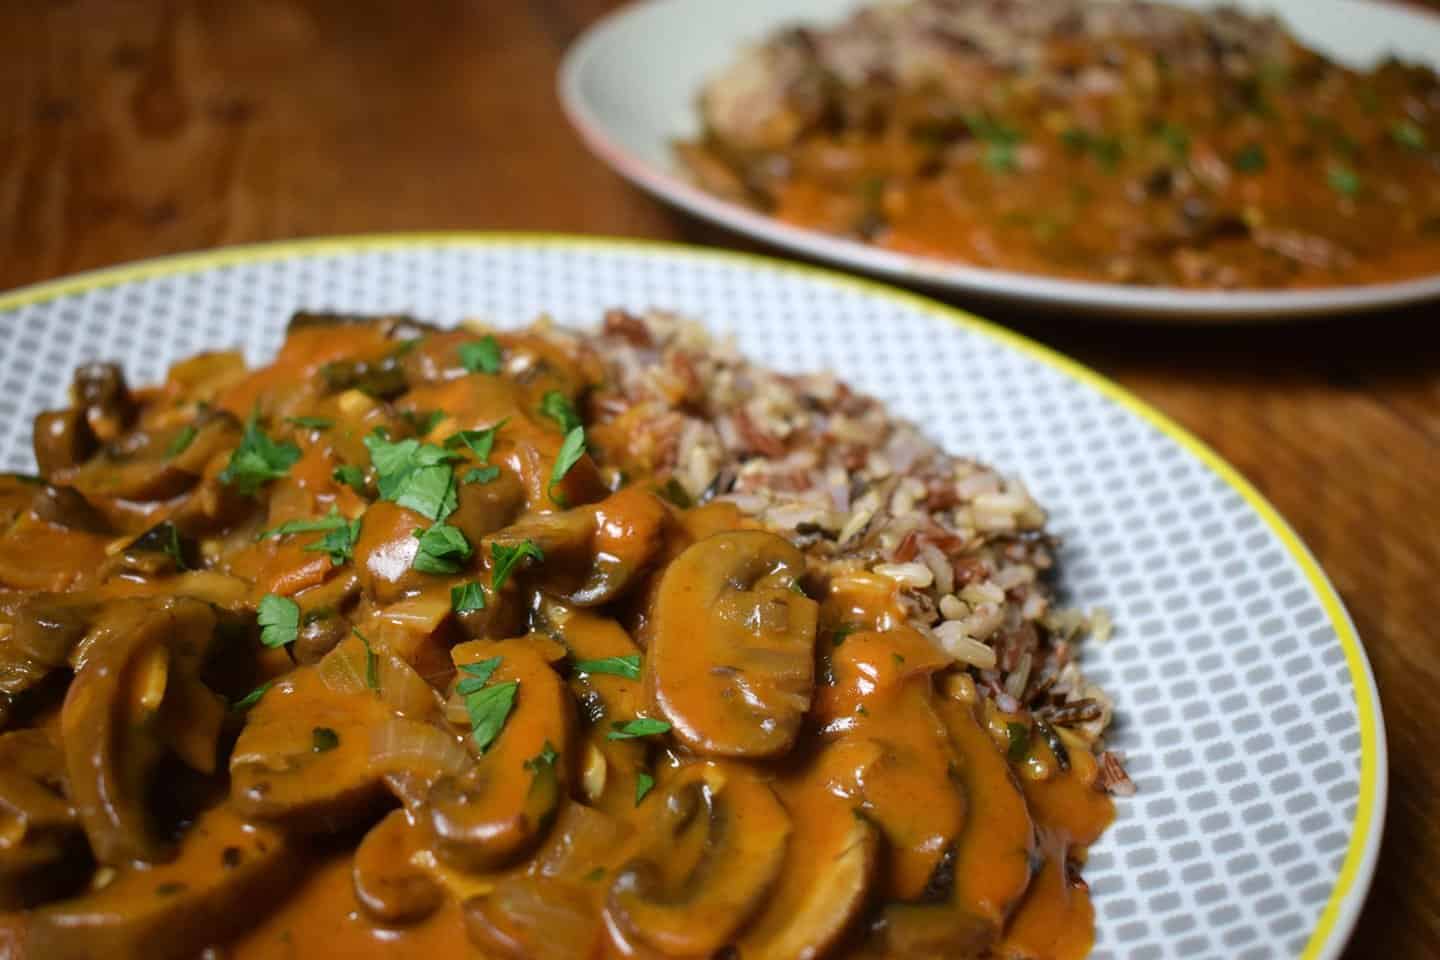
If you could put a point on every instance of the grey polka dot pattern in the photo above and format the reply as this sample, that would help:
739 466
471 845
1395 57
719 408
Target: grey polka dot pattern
1236 706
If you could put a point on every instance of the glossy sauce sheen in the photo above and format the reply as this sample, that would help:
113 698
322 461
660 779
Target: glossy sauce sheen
825 781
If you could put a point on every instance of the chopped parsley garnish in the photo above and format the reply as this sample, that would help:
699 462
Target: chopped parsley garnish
430 492
1177 138
372 661
465 597
643 784
1000 142
481 356
1408 133
489 709
479 442
545 758
253 697
339 542
558 407
627 667
311 423
1344 181
507 557
257 460
164 538
279 619
570 453
350 475
182 441
480 474
675 492
443 549
413 474
1019 741
477 674
423 423
841 632
1249 158
323 739
331 521
639 727
898 658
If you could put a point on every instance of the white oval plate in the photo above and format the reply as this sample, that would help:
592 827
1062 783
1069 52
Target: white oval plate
630 82
1245 703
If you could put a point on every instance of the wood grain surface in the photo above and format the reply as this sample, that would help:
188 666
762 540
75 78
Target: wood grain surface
130 128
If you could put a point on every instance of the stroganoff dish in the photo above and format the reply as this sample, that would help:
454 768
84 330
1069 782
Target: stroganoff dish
552 644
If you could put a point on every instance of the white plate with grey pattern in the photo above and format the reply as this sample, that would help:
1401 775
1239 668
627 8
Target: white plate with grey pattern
631 97
1245 703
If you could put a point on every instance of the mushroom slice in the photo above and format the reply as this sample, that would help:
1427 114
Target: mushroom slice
63 439
304 756
742 833
731 661
390 888
40 835
498 810
114 721
824 886
529 918
226 872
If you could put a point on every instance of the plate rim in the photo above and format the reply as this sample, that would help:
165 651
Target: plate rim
1084 297
1353 881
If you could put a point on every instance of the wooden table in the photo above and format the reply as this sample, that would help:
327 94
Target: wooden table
130 128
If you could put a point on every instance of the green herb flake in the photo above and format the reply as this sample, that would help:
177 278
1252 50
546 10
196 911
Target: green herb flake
323 739
481 356
639 727
396 463
545 759
279 619
570 453
675 492
351 476
465 597
1249 158
841 632
443 549
558 407
252 698
372 661
1019 741
339 542
489 709
595 875
643 784
627 667
477 674
1408 133
1344 181
257 460
430 492
898 658
479 442
182 441
1177 138
423 423
506 559
480 475
311 423
169 889
331 521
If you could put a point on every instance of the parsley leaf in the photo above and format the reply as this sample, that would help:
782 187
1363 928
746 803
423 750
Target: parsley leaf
1344 181
350 475
545 758
182 441
413 474
1249 158
643 783
443 549
558 407
339 542
477 674
430 491
423 423
323 739
507 557
627 667
1408 133
489 709
841 632
331 521
639 727
480 442
570 453
311 423
257 460
481 356
1019 741
279 619
465 597
480 474
372 661
253 697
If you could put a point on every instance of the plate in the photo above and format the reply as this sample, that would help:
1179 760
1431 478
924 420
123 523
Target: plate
629 84
1245 703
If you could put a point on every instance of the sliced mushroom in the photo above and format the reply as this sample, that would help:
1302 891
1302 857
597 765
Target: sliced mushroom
63 440
226 872
529 918
41 843
582 838
385 552
499 809
100 390
743 833
65 507
824 887
388 885
49 626
731 658
283 770
136 676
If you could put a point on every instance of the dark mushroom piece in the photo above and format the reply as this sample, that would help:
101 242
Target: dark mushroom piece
43 852
226 871
66 507
389 887
136 692
731 657
63 439
743 835
530 918
500 809
99 389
